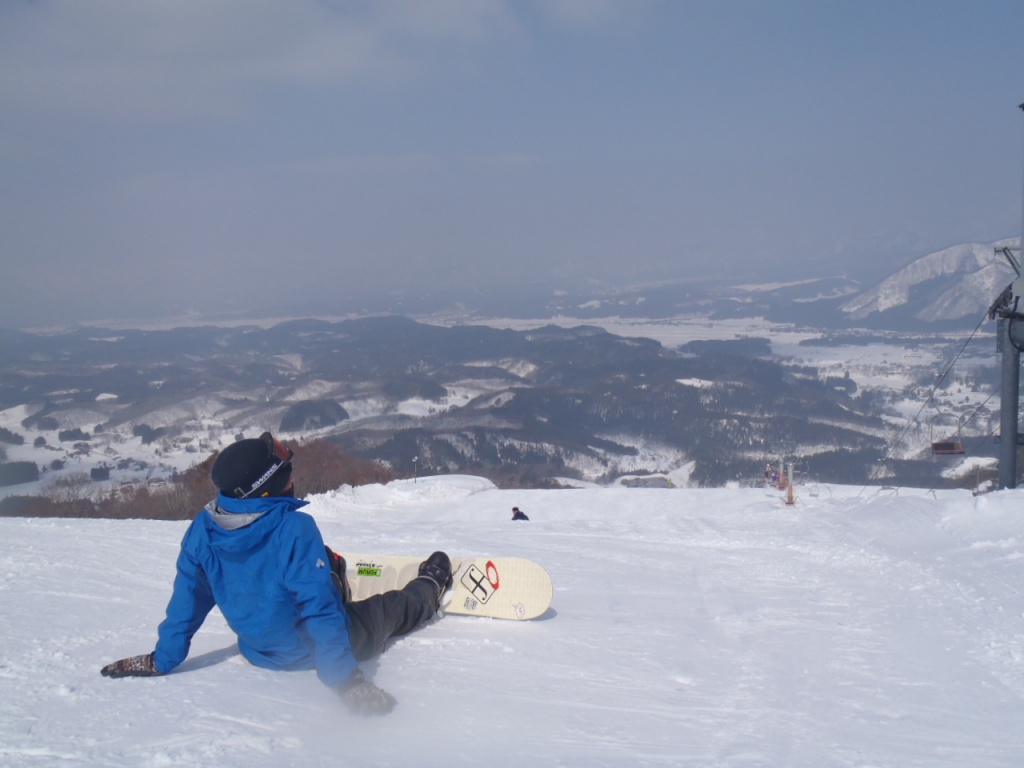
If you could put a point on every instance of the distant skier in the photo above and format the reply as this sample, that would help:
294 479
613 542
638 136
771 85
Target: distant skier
518 515
263 562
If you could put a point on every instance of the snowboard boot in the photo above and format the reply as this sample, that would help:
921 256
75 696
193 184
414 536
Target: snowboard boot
438 569
337 563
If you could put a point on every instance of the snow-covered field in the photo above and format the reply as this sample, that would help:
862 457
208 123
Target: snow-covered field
856 627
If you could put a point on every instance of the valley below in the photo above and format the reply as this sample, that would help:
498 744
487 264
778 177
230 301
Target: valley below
689 400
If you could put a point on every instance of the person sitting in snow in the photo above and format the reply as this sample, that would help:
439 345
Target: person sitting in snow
517 515
282 591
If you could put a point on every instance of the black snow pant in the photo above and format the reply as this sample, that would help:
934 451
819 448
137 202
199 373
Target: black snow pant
391 614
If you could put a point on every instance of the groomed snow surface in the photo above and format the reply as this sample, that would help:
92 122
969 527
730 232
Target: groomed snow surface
858 627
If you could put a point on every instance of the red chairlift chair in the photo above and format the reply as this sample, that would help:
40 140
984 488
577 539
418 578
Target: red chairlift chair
947 447
950 447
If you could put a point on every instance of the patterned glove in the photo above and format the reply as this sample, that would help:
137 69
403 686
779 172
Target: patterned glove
364 698
133 666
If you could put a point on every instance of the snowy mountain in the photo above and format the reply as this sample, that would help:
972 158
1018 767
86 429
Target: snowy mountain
948 288
716 628
595 385
954 283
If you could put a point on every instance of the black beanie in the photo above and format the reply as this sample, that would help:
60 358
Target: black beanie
251 468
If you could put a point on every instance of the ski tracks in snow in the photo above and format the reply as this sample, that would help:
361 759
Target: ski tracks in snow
714 628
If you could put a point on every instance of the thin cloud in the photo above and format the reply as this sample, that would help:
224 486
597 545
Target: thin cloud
112 59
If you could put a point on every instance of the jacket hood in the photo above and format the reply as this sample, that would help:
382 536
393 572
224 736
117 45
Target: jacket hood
241 524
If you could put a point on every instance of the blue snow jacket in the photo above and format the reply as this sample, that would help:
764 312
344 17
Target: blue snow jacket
263 563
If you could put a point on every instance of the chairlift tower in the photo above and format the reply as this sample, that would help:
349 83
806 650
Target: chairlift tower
1009 342
1009 308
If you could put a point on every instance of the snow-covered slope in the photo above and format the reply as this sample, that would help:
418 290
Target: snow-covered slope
945 285
857 627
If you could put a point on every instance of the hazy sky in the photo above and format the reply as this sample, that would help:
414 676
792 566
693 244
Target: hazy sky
198 155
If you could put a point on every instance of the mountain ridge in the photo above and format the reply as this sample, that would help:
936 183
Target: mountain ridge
465 392
949 284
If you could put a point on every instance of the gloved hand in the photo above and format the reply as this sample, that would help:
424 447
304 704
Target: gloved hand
133 666
364 698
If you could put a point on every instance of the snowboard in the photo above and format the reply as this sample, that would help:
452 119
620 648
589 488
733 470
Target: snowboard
497 587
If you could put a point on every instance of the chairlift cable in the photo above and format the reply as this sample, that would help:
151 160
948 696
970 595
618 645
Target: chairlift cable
980 438
913 422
